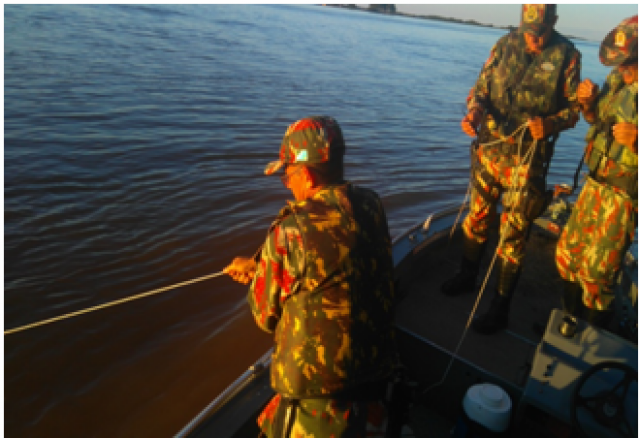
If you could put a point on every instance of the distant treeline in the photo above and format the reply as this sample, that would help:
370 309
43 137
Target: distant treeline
391 9
383 9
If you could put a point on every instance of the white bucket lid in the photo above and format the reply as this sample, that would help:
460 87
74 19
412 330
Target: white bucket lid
488 405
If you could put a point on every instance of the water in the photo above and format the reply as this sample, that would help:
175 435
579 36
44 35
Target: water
135 139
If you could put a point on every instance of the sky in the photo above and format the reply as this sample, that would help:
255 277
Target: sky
590 21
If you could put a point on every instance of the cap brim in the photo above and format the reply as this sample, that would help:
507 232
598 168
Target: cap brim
535 29
273 167
611 56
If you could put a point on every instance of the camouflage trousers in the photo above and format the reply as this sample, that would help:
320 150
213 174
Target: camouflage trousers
594 241
323 418
483 209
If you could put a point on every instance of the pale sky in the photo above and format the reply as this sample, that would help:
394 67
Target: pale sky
591 21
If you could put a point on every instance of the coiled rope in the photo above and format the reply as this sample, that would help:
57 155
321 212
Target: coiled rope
510 193
111 303
500 140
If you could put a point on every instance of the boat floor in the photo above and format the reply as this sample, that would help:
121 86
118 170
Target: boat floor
429 314
425 315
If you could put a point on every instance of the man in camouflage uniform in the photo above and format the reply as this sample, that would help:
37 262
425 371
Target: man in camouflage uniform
529 82
324 285
604 218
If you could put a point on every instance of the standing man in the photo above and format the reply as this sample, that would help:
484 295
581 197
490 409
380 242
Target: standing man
527 85
324 285
603 221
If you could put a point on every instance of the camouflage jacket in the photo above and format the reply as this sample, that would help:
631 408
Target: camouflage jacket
324 284
609 161
515 85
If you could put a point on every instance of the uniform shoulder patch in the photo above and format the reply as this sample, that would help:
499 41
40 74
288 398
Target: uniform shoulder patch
547 66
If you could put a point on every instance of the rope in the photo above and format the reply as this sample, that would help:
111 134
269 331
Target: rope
112 303
527 157
455 223
466 196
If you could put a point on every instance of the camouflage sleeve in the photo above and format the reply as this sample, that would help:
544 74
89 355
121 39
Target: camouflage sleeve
634 118
610 86
479 93
278 275
570 114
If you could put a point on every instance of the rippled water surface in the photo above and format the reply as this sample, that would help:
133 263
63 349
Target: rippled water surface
135 139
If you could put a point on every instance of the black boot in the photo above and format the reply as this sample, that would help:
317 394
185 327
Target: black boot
573 305
465 280
572 298
497 316
597 318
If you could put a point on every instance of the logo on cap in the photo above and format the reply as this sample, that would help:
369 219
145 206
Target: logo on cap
302 156
530 14
621 39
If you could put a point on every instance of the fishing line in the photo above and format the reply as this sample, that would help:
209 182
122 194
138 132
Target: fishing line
455 223
123 300
527 157
112 303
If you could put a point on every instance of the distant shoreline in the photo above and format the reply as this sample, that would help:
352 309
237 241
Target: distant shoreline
439 18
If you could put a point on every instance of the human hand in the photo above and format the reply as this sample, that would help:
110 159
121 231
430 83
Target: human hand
540 128
561 189
626 134
471 121
241 269
587 93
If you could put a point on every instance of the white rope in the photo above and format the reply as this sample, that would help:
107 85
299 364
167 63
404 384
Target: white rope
466 196
112 303
527 157
455 223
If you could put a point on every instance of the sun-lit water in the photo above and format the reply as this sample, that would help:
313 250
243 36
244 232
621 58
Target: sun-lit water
135 139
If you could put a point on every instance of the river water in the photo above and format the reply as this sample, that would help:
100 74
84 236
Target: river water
135 140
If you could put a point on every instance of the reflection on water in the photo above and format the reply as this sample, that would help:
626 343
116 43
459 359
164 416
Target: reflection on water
135 138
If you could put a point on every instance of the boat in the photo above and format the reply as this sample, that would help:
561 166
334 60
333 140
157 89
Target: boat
557 375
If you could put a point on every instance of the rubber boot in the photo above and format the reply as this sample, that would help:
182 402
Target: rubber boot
465 279
497 317
573 305
597 318
572 298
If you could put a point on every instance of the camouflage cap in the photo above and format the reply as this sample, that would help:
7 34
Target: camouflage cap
311 140
536 19
621 44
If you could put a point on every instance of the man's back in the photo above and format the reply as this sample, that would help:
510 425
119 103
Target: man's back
335 331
